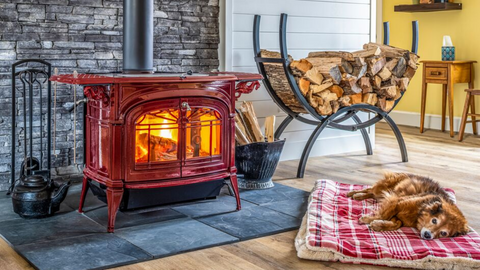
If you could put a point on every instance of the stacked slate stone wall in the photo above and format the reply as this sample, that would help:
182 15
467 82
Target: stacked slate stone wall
86 35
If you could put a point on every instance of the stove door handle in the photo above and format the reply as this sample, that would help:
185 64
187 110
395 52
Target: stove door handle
186 106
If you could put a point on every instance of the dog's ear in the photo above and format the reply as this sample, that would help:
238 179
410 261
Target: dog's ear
435 206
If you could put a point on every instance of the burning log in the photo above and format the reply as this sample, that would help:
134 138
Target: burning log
376 75
156 147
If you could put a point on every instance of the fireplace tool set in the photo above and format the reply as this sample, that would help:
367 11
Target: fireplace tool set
34 193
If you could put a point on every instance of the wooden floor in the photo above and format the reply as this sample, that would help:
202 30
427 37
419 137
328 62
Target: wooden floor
433 153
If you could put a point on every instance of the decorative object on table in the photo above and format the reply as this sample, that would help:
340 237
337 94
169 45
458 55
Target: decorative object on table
447 73
448 50
34 193
256 155
331 233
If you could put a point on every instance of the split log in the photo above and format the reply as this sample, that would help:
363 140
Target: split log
335 105
389 91
337 90
240 137
360 71
403 83
319 88
356 99
377 82
335 75
346 67
251 121
299 68
365 85
370 98
409 73
240 123
345 101
368 52
345 55
349 85
304 85
384 104
314 76
400 68
386 50
392 64
270 127
376 64
385 74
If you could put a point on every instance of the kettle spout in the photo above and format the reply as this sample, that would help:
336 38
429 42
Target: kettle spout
58 195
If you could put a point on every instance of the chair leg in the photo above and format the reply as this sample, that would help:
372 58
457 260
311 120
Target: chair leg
465 116
472 111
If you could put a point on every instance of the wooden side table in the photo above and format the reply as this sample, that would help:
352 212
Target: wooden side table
447 73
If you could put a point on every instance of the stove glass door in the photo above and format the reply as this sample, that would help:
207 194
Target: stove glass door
203 133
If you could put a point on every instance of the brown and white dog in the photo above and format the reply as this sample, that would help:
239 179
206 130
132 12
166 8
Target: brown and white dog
407 200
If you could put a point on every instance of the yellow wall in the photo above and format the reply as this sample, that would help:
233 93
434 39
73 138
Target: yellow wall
464 28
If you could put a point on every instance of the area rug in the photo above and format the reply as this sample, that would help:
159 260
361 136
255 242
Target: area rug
73 241
330 232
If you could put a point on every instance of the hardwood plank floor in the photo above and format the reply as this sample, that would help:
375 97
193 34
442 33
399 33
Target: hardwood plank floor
433 153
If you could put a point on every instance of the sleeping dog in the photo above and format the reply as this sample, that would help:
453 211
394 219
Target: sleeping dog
407 200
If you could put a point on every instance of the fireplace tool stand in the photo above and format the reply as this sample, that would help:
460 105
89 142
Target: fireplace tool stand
34 193
332 121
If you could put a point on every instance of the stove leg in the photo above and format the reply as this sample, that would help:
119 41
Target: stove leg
83 195
234 184
114 197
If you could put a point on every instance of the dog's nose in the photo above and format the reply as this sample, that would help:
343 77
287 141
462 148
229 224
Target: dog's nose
427 235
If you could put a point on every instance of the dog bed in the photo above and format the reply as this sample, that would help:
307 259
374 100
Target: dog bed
330 232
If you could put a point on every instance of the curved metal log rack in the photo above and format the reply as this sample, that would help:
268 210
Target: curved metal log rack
332 121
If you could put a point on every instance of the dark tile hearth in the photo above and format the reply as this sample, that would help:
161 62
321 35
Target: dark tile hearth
83 252
70 240
174 236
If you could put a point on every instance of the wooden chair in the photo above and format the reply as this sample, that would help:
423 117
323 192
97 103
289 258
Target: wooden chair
469 104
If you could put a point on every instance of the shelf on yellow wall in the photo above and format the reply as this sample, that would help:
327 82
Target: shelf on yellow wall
428 7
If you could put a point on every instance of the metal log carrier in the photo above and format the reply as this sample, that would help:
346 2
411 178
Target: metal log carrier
332 121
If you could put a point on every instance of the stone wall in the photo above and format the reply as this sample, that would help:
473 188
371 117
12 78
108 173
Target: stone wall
86 35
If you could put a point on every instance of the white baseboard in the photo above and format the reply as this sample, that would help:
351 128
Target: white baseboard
432 121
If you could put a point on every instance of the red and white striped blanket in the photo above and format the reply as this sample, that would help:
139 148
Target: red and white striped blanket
330 232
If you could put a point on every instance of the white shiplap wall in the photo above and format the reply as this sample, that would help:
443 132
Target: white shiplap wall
313 25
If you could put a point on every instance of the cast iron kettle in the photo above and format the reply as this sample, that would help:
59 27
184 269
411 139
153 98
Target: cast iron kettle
36 196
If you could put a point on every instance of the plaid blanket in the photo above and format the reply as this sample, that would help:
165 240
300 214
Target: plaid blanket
330 232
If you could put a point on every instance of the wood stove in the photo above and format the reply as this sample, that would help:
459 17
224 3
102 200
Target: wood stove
159 130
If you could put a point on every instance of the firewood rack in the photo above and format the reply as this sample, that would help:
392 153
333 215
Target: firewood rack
335 120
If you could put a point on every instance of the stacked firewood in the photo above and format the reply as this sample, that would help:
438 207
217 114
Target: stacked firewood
376 75
247 127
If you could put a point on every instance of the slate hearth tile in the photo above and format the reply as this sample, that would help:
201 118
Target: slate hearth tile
73 199
133 218
252 222
59 226
223 204
85 252
174 236
277 193
296 208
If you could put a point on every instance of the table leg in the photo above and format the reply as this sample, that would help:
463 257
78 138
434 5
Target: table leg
444 105
424 101
450 107
472 108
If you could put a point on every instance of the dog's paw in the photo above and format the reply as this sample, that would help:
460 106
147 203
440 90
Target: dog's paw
378 225
359 196
365 220
351 193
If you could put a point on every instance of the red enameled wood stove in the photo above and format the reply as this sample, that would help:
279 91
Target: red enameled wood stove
159 130
155 131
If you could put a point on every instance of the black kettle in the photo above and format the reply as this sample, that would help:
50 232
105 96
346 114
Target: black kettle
36 196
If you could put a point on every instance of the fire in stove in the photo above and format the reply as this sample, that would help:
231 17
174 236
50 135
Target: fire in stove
157 135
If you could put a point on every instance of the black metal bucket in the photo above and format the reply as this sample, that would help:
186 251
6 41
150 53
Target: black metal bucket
256 164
